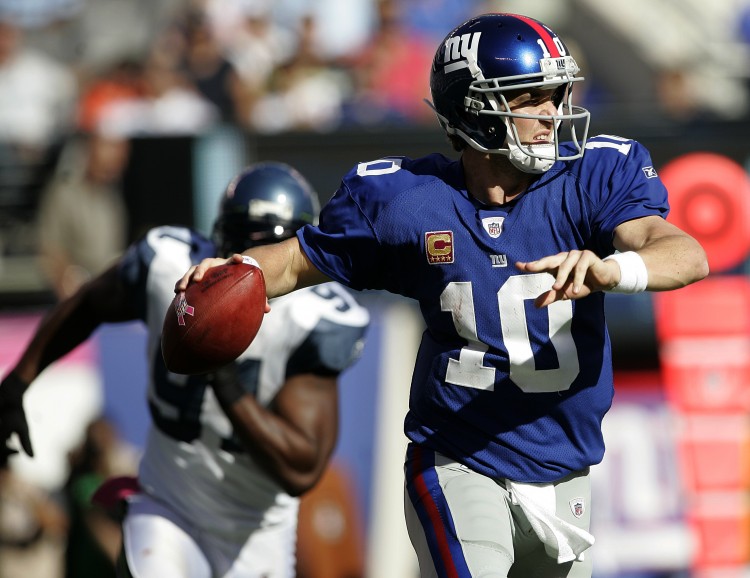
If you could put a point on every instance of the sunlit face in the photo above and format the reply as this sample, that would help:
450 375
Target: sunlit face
534 101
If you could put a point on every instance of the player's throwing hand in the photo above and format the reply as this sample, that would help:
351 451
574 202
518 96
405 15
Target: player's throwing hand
577 274
196 272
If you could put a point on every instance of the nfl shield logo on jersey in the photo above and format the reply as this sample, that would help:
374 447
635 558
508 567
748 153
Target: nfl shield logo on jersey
577 507
493 226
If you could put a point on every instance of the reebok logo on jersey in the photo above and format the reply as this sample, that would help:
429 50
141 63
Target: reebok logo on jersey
493 226
460 51
182 308
650 172
439 247
577 507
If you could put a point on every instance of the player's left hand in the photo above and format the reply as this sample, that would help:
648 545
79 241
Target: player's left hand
577 274
12 416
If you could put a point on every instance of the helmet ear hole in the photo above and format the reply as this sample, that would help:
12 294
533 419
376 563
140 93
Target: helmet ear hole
493 130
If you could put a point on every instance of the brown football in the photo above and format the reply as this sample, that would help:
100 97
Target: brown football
214 321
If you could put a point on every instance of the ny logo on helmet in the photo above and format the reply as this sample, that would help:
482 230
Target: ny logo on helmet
460 50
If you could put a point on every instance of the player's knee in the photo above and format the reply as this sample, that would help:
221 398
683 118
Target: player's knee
488 559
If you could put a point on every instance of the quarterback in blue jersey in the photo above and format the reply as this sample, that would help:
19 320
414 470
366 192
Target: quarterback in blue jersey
509 252
228 454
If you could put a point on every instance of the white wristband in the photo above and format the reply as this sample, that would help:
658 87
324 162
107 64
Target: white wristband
248 260
633 272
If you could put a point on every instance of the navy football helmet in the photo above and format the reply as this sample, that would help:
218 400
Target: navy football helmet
489 55
265 203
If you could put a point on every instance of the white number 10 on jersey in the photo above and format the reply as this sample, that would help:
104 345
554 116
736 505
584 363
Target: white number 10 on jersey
469 369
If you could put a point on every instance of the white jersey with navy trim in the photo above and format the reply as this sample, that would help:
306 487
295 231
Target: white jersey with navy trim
192 461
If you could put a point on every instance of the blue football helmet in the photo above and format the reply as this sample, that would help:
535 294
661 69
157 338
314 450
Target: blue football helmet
265 203
491 54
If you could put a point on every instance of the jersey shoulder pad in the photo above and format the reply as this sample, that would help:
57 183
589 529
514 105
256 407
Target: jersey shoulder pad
168 238
334 325
331 302
181 245
388 177
614 152
606 156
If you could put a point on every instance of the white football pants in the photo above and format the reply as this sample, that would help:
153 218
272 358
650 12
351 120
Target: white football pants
157 543
464 524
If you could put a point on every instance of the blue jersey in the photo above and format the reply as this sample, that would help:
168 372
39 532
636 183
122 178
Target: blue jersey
509 390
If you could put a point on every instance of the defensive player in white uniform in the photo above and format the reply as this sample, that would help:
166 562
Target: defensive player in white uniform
228 453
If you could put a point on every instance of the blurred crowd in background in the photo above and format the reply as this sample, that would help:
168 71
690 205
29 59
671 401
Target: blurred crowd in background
179 67
80 78
133 67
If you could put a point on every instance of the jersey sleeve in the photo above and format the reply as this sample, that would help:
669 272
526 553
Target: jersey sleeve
334 327
344 241
627 184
